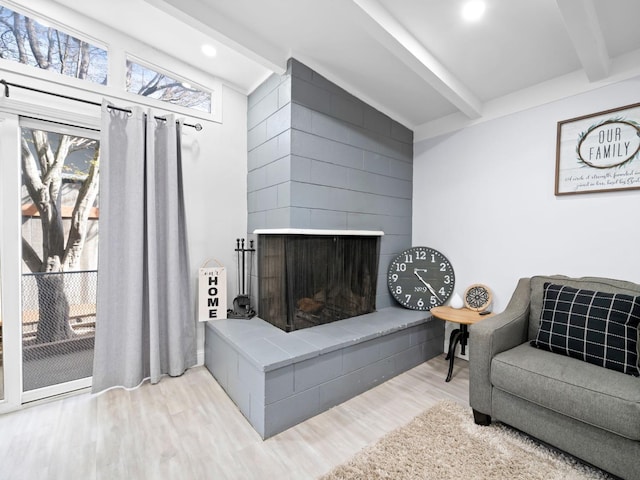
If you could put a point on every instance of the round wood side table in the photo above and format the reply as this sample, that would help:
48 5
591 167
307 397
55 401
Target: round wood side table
464 317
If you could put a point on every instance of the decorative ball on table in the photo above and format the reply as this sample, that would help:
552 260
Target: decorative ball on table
456 301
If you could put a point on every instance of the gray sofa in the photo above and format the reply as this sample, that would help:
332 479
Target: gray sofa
583 409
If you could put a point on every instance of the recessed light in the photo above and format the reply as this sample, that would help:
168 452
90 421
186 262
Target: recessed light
208 50
473 10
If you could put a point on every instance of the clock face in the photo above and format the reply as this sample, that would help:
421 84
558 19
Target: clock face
477 297
421 278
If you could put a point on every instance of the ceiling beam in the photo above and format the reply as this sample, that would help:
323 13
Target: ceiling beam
399 41
581 21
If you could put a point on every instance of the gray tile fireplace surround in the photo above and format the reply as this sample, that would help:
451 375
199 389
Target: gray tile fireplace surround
280 379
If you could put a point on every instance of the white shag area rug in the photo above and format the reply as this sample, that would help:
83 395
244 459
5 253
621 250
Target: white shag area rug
444 443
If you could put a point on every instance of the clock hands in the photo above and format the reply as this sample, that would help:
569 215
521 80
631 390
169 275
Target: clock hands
433 292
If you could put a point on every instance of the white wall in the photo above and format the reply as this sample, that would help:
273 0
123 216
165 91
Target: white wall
484 196
215 179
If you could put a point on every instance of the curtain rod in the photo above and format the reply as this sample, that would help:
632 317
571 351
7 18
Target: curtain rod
6 84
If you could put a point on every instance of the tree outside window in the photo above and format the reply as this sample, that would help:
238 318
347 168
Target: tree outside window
27 41
60 215
147 82
30 42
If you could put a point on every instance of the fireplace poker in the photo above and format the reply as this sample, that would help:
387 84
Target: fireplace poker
238 250
242 303
244 269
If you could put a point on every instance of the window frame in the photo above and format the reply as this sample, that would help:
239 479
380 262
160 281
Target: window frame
49 22
117 54
174 76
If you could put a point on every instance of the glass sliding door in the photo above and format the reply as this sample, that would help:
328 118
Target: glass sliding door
59 207
1 349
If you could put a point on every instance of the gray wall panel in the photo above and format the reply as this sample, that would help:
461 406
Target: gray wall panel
330 161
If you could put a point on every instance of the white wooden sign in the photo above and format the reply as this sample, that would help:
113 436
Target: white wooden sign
599 152
212 294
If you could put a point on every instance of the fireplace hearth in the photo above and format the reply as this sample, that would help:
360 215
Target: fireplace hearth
306 279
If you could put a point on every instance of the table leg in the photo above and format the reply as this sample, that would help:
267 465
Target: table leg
453 341
464 337
457 335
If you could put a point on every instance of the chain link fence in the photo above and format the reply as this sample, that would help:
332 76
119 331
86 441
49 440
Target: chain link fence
58 327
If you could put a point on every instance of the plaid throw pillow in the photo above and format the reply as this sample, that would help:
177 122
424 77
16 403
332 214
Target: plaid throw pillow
597 327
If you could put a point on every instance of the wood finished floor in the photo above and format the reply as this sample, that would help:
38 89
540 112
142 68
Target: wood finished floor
187 428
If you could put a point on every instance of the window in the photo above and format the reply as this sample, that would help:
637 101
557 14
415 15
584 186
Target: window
30 42
144 81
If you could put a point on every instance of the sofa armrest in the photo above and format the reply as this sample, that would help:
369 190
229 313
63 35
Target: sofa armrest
492 336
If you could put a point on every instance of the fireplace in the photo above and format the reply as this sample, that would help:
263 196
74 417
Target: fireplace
309 278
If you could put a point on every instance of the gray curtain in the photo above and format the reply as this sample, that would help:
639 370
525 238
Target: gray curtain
145 325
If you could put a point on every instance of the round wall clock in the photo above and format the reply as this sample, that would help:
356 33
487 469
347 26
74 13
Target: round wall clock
421 278
477 297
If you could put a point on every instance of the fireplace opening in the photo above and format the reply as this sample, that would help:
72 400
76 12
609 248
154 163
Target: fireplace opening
309 280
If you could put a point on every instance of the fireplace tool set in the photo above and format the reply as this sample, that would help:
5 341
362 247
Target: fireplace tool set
242 303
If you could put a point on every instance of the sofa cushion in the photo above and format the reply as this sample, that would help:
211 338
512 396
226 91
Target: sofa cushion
596 327
597 396
600 284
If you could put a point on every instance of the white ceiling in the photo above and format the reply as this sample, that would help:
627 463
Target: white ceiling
415 60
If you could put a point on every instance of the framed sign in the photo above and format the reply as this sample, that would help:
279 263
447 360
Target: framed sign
212 293
599 152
